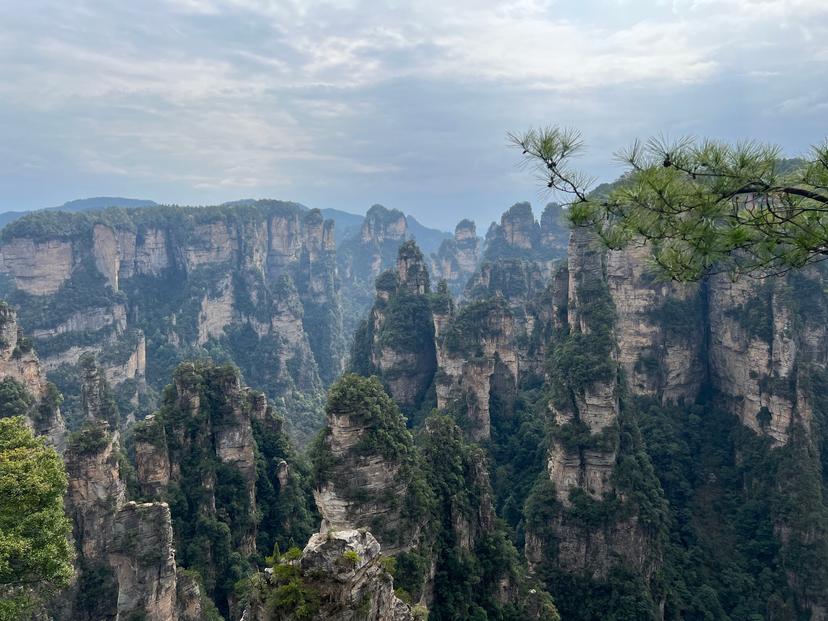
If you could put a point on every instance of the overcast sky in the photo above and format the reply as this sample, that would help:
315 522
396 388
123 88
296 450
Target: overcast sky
348 103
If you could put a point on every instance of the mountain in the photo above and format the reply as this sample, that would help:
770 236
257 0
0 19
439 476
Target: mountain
427 239
145 288
347 224
82 204
562 435
102 202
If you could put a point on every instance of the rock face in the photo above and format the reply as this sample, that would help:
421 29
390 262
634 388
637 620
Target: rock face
475 346
658 327
210 421
588 407
364 585
39 267
554 231
363 257
19 364
520 236
217 453
457 258
764 340
143 558
397 341
344 575
367 474
126 561
145 288
496 340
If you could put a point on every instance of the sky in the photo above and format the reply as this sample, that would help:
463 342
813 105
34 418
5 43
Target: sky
347 103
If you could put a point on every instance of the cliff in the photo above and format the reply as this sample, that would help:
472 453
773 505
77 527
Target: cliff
126 562
495 341
339 576
24 390
520 236
217 454
587 445
366 468
146 288
397 340
457 258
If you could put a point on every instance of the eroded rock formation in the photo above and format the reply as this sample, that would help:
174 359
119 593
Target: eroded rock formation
22 374
144 288
342 576
457 258
367 470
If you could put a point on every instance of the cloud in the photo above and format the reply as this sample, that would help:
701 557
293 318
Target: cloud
346 102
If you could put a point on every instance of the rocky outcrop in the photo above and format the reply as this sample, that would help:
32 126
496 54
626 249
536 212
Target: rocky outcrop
761 346
38 267
457 258
212 421
366 472
397 342
152 460
186 278
585 451
520 236
96 490
496 340
143 558
126 561
479 342
554 230
658 328
19 364
343 576
217 452
375 249
593 403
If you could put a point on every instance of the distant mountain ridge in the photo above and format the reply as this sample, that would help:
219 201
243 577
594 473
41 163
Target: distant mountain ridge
82 204
347 224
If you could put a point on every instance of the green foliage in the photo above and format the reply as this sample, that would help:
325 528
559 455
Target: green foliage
207 540
350 558
703 205
729 492
91 438
467 329
35 552
361 349
755 316
387 281
291 598
411 569
466 580
408 325
15 400
287 513
518 453
97 590
680 318
364 400
581 358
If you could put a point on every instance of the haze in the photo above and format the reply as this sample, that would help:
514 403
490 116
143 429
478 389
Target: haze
346 103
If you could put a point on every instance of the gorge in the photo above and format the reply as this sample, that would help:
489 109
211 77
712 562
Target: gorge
260 420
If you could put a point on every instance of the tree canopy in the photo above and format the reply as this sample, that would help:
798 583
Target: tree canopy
35 553
702 206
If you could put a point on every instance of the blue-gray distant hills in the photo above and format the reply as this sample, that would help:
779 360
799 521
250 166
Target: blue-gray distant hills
83 204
